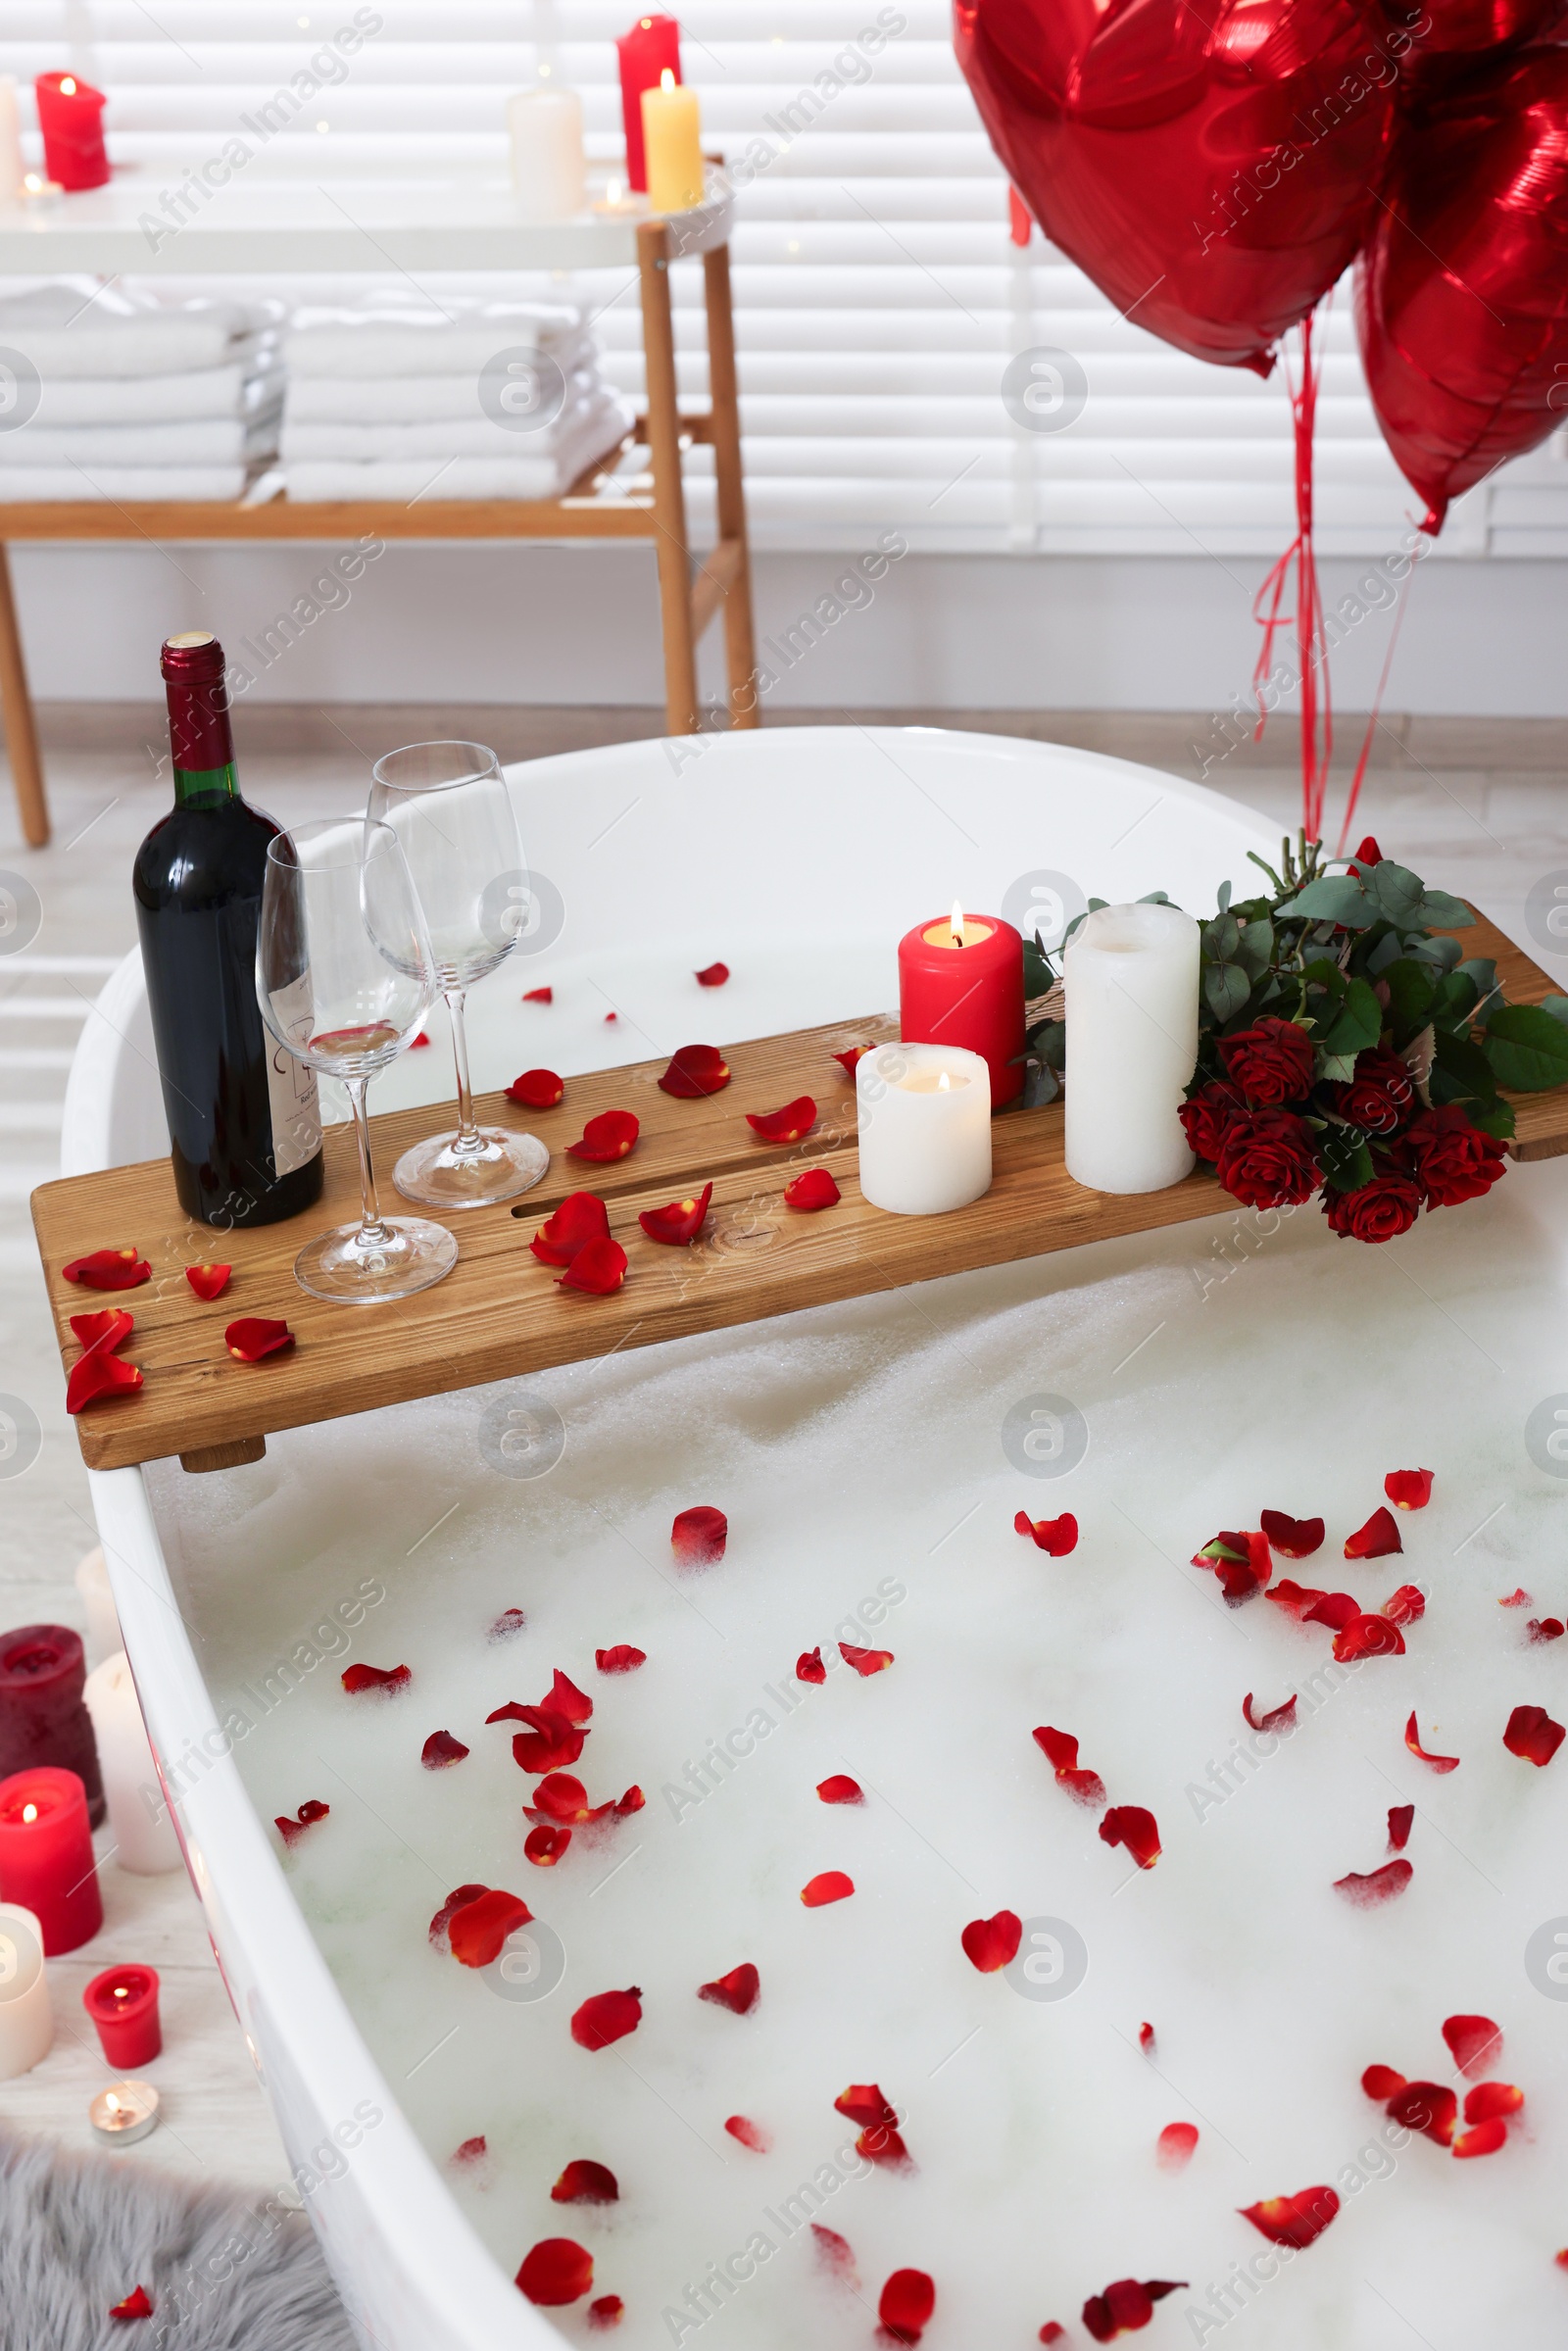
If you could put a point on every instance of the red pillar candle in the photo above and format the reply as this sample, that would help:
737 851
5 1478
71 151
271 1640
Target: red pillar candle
71 115
650 49
122 2003
43 1716
46 1860
961 981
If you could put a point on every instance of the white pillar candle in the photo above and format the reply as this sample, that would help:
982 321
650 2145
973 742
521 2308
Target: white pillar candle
144 1836
11 163
924 1115
548 167
1131 977
104 1636
26 2024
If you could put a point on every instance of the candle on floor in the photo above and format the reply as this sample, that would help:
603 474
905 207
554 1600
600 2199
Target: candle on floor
91 1579
71 115
961 981
548 169
124 2112
650 49
145 1843
46 1858
672 141
11 163
26 2024
924 1118
122 2003
1131 977
43 1718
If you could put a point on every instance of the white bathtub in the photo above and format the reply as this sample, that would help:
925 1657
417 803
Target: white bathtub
801 857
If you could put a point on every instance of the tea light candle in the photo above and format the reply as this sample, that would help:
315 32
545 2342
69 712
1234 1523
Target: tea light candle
43 1719
672 142
145 1843
961 981
548 167
650 49
124 2112
26 2024
41 195
11 164
616 205
71 115
924 1117
46 1858
122 2003
1131 976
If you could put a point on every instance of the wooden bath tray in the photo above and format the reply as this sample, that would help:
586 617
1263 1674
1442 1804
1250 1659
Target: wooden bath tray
499 1313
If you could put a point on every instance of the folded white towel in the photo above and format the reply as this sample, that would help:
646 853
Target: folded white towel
124 485
587 407
157 399
63 331
405 339
197 441
408 399
420 481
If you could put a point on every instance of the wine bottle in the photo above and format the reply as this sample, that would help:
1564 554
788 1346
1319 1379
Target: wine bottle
244 1122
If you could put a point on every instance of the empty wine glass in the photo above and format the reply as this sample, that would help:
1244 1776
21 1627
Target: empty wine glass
449 806
345 976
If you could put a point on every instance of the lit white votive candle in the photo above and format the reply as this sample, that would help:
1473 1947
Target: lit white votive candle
1131 976
26 2024
548 169
145 1843
925 1114
124 2112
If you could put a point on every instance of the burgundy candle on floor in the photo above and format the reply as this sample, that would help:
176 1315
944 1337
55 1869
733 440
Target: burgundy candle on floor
46 1857
122 2003
71 115
43 1717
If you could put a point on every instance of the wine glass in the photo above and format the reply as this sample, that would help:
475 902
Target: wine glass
345 975
449 806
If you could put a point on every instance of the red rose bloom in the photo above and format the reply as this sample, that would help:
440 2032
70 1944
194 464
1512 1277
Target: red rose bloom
1382 1094
1271 1061
1379 1212
1450 1159
1268 1159
1208 1116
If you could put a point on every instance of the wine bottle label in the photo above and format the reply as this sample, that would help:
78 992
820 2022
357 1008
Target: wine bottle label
291 1086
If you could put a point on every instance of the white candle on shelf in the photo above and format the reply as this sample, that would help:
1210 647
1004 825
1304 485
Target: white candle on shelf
548 167
104 1636
925 1114
11 162
144 1836
1131 977
26 2024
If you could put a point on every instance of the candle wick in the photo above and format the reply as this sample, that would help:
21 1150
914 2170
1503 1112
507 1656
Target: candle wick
955 920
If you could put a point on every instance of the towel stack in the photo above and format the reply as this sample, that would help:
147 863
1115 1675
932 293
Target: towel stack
110 394
391 399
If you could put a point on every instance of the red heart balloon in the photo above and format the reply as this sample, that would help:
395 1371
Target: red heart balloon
1462 290
1213 172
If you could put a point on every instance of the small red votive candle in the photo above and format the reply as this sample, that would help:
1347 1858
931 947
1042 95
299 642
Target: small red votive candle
46 1857
43 1714
71 115
122 2003
651 48
961 981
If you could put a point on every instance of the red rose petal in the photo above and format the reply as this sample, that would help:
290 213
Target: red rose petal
1145 2040
908 2300
137 2304
1293 1537
472 2150
808 1666
1382 2083
357 1677
1491 2099
539 995
477 1931
812 1190
1298 2220
834 2254
787 1125
99 1372
1131 1826
751 2134
1336 1609
1474 2042
598 1268
1407 1605
698 1535
1242 1560
713 975
849 1062
440 1749
108 1269
1057 1536
840 1788
1376 1540
305 1818
1368 1637
1061 1750
1126 2305
458 1899
1428 2107
415 1042
1517 1599
209 1281
510 1622
585 2183
1294 1598
1485 2139
1173 2149
609 1136
622 1659
545 1847
609 2016
737 1991
678 1225
1409 1488
1051 2333
1541 1629
1439 1763
1267 1721
632 1801
866 1661
562 1798
254 1336
564 1697
1532 1735
1401 1818
608 2310
829 1885
556 2271
991 1944
612 1015
1375 1885
694 1071
1368 852
538 1090
549 1744
107 1329
863 2102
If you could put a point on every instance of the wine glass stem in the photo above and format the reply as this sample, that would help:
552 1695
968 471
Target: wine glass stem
372 1232
467 1125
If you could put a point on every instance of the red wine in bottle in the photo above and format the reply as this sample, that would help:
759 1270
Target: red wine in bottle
243 1118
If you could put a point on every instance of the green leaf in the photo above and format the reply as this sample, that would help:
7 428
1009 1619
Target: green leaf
1224 899
1441 953
1048 1042
1359 1022
1227 989
1333 898
1398 892
1482 973
1460 1070
1492 1118
1039 976
1255 948
1335 1069
1221 938
1041 1084
1346 1160
1527 1047
1439 911
1411 996
1556 1005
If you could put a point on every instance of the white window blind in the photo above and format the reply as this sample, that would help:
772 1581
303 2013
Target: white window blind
879 297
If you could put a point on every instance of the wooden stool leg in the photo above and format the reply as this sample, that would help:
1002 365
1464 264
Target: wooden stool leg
16 705
740 643
669 494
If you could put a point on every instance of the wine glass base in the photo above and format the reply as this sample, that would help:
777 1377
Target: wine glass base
411 1254
440 1176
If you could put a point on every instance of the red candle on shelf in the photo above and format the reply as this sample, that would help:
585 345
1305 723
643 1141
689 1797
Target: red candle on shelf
46 1860
71 115
122 2003
961 981
43 1716
650 49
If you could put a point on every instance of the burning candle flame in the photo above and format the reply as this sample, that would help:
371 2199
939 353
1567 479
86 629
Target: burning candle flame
666 79
112 2102
943 1084
612 192
957 921
29 1812
68 85
33 181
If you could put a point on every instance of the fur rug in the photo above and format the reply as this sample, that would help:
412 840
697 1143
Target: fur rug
79 2234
